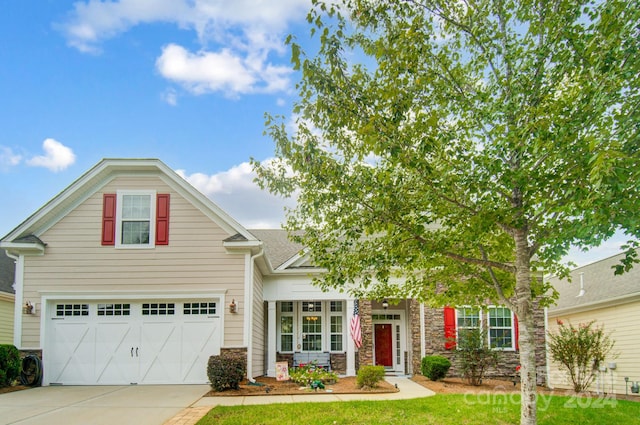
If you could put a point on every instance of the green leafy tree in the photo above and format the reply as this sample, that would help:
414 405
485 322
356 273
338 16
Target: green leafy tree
580 350
462 145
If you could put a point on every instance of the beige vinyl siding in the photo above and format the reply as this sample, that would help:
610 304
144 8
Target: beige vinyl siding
621 322
6 318
258 328
194 260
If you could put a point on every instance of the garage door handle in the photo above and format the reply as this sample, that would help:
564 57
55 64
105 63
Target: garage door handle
136 351
131 351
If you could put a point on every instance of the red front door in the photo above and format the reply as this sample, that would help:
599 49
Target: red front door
384 345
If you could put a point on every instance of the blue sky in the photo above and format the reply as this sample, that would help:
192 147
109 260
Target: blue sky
186 81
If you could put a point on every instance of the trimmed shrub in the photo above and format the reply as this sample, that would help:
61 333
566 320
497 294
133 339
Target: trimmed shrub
435 367
10 364
225 372
369 376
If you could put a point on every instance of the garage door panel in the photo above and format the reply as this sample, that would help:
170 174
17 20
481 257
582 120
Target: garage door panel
115 353
199 342
160 352
73 345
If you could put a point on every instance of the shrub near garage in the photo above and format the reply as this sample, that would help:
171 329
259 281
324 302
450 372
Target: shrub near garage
9 364
225 372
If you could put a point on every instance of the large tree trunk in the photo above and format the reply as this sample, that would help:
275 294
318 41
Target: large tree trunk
524 310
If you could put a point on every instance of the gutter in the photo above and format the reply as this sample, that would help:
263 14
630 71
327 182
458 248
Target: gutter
250 315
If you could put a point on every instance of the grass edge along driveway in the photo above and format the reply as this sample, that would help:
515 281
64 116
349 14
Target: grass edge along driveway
446 409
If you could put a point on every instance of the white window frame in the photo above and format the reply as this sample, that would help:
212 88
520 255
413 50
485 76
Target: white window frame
341 315
305 312
152 218
484 321
511 328
458 327
279 317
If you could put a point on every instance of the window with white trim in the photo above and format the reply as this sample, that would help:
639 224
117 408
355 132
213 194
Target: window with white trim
65 310
312 326
336 330
158 309
286 326
500 328
498 322
114 309
467 319
135 219
198 308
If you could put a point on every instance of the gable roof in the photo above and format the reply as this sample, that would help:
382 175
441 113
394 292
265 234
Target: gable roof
102 173
7 272
600 286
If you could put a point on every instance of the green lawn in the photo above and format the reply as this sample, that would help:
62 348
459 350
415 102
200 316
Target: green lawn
453 409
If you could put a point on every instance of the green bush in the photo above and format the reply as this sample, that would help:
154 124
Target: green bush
474 356
10 364
580 350
226 372
310 373
435 367
369 376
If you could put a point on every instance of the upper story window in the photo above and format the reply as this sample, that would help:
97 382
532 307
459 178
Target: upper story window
135 219
135 224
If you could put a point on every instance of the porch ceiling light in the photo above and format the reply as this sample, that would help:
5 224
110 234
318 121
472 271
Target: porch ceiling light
385 304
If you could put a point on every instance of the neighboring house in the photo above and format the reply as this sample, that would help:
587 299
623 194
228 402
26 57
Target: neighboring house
7 297
136 277
595 293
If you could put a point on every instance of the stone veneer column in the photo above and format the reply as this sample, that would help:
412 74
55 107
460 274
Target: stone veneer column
365 353
416 331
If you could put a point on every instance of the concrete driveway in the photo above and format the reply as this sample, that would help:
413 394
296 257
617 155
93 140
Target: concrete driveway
109 405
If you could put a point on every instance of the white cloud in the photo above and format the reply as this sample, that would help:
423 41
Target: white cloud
246 33
224 71
170 96
8 158
235 192
91 22
57 156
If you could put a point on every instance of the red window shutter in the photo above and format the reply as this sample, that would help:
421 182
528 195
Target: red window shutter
109 219
162 219
449 328
516 331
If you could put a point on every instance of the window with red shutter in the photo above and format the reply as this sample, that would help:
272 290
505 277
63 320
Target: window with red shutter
109 219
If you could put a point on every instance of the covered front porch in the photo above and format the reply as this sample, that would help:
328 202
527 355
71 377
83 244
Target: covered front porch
389 333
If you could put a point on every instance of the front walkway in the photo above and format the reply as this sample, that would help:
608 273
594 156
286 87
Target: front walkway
192 414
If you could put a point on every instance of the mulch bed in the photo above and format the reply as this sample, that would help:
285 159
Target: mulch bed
270 386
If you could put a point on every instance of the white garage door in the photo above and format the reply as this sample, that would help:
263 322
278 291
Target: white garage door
131 342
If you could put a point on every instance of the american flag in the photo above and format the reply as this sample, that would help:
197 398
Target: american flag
356 331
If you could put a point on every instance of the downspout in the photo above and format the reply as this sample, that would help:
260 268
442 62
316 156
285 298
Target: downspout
250 318
18 286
